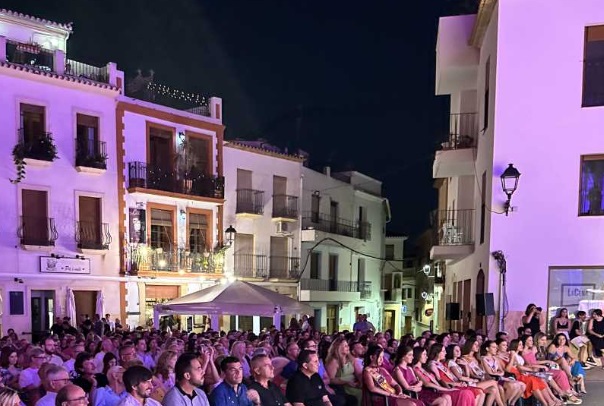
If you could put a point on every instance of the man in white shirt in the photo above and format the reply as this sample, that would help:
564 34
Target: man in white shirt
49 346
29 379
56 378
78 347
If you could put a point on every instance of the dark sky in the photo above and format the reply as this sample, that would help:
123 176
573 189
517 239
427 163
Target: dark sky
351 82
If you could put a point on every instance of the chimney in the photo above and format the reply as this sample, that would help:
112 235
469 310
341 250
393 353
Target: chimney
327 171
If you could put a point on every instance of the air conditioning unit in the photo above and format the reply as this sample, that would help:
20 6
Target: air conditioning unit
283 228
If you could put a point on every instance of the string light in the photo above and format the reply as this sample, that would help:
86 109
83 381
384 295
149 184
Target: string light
164 90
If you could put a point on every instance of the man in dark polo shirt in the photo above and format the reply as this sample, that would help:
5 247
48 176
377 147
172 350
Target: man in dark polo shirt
306 388
263 373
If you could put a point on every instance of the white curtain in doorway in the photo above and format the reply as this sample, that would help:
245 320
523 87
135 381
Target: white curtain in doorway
100 304
70 307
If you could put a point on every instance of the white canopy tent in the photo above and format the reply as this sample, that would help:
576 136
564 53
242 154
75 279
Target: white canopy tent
234 298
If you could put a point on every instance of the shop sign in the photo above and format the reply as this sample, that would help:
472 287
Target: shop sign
429 312
574 293
64 265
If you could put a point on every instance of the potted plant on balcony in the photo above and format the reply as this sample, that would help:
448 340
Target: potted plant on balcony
41 148
187 161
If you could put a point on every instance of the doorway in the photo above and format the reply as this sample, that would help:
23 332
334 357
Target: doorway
333 321
42 313
389 321
85 304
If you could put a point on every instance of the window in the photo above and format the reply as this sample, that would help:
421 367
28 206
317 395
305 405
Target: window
315 202
90 151
162 229
201 148
315 265
389 251
161 149
198 233
32 122
487 79
89 224
36 228
593 67
592 178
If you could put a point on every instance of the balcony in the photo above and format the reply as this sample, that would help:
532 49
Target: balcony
453 234
91 154
250 203
150 177
36 231
320 290
175 260
92 236
457 155
251 266
88 72
285 207
336 225
284 267
30 55
38 146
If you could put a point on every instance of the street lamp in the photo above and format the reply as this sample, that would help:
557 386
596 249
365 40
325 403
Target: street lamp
230 235
509 183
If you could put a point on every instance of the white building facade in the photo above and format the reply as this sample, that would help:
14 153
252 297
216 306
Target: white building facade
171 210
530 96
263 189
344 217
59 174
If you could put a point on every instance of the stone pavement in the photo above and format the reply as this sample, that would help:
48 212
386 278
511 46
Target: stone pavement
595 387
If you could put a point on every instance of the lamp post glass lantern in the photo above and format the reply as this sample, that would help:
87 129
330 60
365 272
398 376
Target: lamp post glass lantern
509 184
230 235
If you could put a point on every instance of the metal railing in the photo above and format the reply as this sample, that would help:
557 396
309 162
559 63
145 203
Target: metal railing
148 176
285 206
250 201
463 131
174 259
91 153
365 289
284 267
323 285
92 235
453 227
36 230
30 55
85 71
330 224
251 265
37 145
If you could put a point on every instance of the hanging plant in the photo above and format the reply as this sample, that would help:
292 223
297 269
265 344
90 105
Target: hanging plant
19 160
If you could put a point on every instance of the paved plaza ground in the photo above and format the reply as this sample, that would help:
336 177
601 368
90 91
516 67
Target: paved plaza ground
595 387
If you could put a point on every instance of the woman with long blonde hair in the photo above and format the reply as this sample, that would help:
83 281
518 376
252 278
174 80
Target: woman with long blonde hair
342 369
9 397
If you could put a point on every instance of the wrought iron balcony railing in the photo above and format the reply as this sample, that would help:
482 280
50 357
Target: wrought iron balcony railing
453 227
365 289
284 267
174 259
36 230
37 145
91 153
250 201
251 265
148 176
336 225
463 131
285 206
92 235
322 285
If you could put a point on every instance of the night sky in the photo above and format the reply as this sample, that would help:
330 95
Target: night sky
350 82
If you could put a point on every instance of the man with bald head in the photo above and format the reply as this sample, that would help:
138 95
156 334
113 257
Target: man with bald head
71 395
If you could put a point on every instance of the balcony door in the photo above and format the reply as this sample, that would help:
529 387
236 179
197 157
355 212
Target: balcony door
201 148
334 210
333 272
279 257
198 233
162 229
32 122
34 208
87 135
244 255
333 318
160 149
90 221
